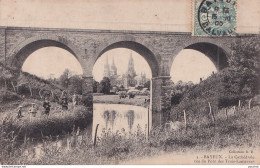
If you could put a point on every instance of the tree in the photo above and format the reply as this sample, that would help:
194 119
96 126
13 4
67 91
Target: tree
104 86
95 86
64 79
75 84
245 62
147 84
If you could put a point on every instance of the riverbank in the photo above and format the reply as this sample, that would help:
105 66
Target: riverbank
239 130
41 127
114 99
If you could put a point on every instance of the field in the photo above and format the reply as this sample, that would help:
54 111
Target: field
237 130
114 99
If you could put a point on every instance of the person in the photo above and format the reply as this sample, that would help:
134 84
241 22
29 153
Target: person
33 110
74 100
47 106
64 101
19 115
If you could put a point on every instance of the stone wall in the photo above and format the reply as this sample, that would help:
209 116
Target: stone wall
156 101
87 90
2 45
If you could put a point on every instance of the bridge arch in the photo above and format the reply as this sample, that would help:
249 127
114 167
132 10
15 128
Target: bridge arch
154 64
217 54
23 50
141 49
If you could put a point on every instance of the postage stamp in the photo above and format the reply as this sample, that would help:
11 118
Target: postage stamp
214 18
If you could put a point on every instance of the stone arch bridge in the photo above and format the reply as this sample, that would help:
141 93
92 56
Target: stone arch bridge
158 48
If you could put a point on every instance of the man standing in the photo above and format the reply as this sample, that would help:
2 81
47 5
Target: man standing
19 115
47 106
75 100
33 111
64 101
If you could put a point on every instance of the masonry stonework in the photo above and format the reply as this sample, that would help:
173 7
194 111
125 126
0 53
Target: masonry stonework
2 44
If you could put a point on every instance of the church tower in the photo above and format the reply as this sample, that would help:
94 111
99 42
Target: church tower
106 69
130 74
131 69
113 68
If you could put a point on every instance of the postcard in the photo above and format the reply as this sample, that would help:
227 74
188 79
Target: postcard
129 82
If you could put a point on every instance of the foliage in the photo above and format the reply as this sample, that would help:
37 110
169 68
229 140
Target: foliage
178 90
104 86
64 79
147 84
246 61
95 86
75 85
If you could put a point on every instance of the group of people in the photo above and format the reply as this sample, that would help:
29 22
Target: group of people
33 109
47 106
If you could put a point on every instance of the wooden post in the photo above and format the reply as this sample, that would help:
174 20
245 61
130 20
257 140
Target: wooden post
234 109
226 112
249 104
239 104
210 112
95 139
185 120
148 124
13 86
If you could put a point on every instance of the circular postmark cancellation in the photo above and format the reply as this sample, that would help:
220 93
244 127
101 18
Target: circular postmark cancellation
217 17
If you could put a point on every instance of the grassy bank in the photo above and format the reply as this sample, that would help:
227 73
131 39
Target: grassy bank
114 99
16 131
239 129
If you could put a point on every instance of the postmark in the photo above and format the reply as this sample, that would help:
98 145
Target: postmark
214 18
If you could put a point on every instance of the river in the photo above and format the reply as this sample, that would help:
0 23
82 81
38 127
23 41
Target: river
118 117
108 117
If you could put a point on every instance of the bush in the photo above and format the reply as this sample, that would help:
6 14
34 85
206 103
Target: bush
7 96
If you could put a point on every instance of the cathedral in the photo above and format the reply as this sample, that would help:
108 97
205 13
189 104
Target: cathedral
128 79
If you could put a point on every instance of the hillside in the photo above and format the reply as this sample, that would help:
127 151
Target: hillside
221 90
16 84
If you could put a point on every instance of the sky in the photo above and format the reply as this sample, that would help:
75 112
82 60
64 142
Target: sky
191 65
51 61
186 65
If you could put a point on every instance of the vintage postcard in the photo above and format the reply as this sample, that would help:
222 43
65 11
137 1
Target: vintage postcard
129 82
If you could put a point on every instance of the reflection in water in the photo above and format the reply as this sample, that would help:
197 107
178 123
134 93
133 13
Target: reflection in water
109 117
130 118
113 117
106 117
125 118
120 117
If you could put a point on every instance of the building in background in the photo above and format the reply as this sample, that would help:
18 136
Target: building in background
128 79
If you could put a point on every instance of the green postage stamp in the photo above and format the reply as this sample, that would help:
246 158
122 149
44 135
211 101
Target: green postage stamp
214 17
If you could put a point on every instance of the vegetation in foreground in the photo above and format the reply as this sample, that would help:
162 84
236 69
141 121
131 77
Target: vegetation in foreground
234 130
114 99
17 131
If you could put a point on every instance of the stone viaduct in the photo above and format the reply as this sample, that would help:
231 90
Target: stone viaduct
158 48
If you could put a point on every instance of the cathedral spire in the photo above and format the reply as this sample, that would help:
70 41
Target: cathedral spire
113 68
131 68
106 69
